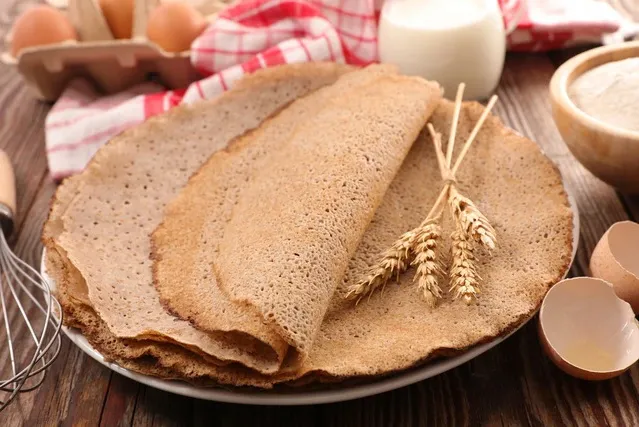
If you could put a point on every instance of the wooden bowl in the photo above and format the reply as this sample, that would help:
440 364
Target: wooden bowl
609 152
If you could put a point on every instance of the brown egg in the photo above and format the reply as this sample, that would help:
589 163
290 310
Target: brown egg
173 26
119 17
40 25
616 260
587 331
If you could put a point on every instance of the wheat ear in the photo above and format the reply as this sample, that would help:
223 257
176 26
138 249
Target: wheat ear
464 279
471 220
429 268
394 261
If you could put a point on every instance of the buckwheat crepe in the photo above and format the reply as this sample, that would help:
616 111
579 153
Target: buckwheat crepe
513 183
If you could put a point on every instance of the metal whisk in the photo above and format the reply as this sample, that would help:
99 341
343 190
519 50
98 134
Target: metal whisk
30 315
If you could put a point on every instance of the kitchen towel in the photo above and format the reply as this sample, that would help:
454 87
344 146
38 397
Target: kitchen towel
254 34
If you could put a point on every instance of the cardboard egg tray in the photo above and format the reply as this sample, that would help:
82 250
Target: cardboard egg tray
113 64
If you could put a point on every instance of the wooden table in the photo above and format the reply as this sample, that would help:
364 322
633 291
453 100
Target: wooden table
513 384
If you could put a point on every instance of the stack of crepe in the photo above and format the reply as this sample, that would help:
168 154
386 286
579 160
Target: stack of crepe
215 243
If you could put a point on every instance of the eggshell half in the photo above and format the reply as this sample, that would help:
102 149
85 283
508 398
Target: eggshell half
587 331
616 260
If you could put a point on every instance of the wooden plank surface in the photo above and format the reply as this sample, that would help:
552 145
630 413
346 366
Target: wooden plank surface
513 384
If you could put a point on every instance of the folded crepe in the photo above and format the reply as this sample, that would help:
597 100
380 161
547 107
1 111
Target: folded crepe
505 174
119 200
101 219
260 242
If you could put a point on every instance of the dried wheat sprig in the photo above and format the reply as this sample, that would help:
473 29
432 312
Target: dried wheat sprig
429 267
394 261
464 279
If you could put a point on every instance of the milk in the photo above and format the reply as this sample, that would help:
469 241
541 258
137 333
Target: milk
451 41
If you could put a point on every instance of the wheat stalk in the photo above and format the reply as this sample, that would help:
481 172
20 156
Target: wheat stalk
464 279
470 223
470 219
436 137
453 125
429 268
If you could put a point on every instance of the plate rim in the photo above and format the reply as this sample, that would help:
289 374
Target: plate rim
312 397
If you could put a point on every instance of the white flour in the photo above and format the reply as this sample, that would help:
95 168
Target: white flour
610 93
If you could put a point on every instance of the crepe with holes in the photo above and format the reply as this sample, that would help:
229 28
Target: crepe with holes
507 176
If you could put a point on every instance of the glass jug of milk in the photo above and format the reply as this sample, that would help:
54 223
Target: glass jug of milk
451 41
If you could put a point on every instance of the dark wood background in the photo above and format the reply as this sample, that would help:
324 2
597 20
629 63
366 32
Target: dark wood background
513 384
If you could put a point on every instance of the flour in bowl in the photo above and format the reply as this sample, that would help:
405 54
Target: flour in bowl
610 93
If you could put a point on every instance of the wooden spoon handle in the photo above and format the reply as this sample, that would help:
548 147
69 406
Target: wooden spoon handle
7 184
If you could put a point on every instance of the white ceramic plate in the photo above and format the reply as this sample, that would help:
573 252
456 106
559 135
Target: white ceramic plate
295 397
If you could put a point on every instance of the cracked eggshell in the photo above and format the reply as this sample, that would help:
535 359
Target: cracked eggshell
587 331
616 260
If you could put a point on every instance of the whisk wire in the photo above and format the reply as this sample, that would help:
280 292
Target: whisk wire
50 314
11 258
17 298
8 328
17 275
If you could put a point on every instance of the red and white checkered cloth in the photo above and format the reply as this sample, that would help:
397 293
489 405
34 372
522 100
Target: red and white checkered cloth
256 34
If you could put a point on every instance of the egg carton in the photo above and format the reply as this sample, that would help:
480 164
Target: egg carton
113 64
